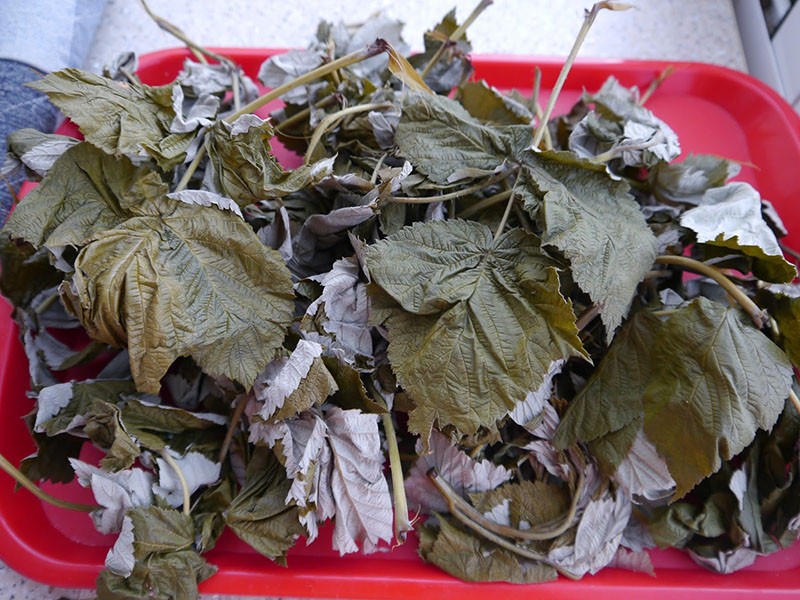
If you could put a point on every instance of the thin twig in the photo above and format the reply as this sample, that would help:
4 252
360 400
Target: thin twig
548 531
329 121
313 75
496 539
655 84
758 316
486 203
22 480
401 522
455 36
588 20
587 317
175 31
456 194
236 417
173 464
504 219
795 400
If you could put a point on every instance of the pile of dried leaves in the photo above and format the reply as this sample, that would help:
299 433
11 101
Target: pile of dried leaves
496 311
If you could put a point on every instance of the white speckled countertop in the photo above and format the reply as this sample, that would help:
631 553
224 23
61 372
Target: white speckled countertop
699 30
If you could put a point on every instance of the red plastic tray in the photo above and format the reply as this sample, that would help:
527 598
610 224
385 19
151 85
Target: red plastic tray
712 109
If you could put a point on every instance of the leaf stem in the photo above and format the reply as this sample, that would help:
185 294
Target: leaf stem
547 531
173 464
456 194
758 316
795 400
345 61
588 20
655 84
235 418
455 36
330 119
401 523
504 219
22 480
587 317
486 203
321 71
175 31
302 114
493 537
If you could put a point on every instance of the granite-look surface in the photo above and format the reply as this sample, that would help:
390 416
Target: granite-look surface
699 30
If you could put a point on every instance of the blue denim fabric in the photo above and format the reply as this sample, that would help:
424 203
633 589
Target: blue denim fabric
20 107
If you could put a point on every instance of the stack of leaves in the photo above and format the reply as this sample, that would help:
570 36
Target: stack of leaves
502 320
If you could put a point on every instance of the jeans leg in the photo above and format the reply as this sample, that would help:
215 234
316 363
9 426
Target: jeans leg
20 106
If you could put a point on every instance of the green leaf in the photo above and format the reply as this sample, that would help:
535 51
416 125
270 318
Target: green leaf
463 555
85 193
597 224
259 514
166 565
245 169
786 312
457 146
106 430
489 105
530 503
462 298
190 281
351 393
613 396
719 380
128 119
24 272
688 180
730 218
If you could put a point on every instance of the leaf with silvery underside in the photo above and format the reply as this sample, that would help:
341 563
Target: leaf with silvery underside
648 139
165 565
346 308
34 150
460 296
598 226
363 502
336 461
463 473
597 536
193 114
196 469
688 180
729 218
131 120
65 407
460 553
719 380
261 514
291 385
287 66
197 277
85 193
301 446
114 492
198 79
642 472
457 145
